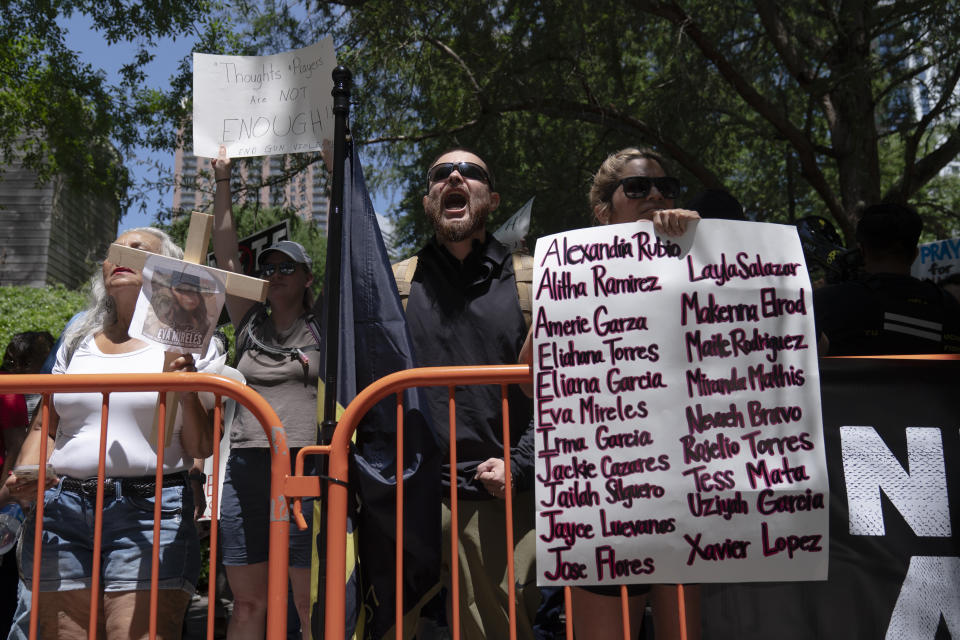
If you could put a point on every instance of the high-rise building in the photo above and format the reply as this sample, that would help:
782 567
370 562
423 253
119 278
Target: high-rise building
306 192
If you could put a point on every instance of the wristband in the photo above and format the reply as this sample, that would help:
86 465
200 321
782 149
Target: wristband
198 475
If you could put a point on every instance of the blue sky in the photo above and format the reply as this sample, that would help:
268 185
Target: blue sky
93 49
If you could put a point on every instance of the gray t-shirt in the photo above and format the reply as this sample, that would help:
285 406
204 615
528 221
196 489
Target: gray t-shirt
282 379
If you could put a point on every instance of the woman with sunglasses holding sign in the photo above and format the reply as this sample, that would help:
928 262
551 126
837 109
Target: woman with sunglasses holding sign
278 352
632 185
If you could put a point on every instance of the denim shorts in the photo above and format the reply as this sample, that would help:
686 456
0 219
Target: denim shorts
127 547
245 511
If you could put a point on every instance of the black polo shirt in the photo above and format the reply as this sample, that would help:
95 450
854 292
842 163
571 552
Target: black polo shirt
886 314
468 314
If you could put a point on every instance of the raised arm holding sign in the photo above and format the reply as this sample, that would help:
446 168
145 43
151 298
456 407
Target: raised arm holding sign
278 354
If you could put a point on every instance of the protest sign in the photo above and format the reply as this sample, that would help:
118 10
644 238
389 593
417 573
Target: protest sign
263 105
678 422
937 260
250 248
512 234
178 306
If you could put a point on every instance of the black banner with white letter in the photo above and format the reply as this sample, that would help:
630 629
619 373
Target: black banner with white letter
892 435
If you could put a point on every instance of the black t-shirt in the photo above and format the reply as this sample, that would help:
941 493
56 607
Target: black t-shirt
887 314
468 314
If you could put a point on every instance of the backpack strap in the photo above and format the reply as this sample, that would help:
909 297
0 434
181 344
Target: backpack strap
242 342
403 273
523 274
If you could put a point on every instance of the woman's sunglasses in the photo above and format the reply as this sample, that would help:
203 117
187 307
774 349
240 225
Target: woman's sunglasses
639 186
470 170
285 268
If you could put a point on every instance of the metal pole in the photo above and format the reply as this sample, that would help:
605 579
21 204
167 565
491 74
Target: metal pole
341 111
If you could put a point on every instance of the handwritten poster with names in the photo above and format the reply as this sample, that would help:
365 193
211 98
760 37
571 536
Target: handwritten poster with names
678 426
263 105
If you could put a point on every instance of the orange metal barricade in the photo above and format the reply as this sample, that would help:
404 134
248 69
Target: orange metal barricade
280 481
337 492
284 486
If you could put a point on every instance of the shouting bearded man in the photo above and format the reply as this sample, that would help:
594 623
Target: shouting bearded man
461 299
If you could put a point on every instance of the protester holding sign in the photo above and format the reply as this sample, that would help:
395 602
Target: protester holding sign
278 353
99 342
632 185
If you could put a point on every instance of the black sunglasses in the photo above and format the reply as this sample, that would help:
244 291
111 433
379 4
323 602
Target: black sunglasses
639 186
285 268
470 170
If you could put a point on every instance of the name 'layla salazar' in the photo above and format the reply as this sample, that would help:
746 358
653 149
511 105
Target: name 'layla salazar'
742 268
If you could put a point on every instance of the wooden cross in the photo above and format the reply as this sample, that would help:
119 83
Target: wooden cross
236 284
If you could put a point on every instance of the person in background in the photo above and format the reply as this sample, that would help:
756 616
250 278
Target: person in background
24 354
20 627
716 204
888 311
99 342
951 284
278 352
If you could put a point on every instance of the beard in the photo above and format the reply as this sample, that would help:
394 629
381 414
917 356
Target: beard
457 229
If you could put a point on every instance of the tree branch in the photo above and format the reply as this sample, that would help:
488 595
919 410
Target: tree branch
423 136
478 92
784 44
767 110
926 168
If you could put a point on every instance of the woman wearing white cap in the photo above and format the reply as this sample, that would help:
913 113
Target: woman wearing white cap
278 352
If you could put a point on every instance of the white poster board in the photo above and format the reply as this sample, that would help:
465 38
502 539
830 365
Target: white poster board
937 260
263 105
678 425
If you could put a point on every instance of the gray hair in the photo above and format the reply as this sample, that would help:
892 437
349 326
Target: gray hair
93 317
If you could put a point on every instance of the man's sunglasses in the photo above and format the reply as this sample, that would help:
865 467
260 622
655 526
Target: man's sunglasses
285 268
639 186
470 170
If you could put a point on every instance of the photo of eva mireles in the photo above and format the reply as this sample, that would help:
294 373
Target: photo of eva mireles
178 306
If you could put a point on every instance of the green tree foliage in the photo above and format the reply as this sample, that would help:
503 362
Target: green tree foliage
37 309
797 108
59 115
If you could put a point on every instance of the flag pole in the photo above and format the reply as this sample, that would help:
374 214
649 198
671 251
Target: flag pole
341 111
